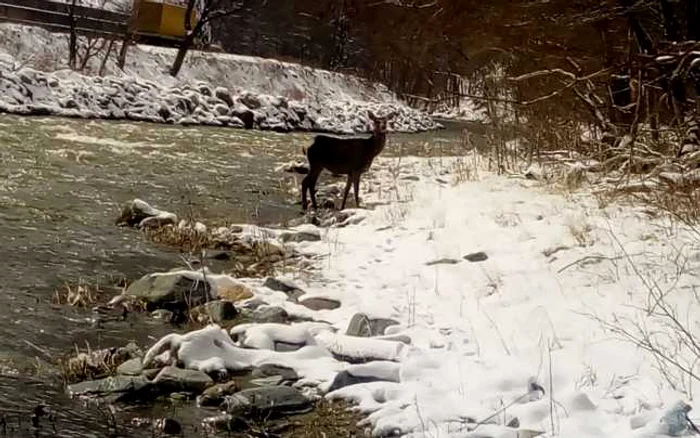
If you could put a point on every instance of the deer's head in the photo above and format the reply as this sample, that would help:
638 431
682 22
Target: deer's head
380 123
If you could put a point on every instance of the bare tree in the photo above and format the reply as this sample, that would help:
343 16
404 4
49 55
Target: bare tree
208 11
129 35
72 36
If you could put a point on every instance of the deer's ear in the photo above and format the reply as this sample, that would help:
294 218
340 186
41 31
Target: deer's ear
371 115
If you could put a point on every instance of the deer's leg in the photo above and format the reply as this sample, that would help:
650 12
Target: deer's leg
356 189
304 188
311 179
347 190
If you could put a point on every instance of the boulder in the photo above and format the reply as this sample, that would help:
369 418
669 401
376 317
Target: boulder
476 257
138 213
362 325
268 402
223 94
170 290
269 370
379 371
117 388
218 311
173 379
320 303
344 378
245 115
286 286
267 381
168 426
308 235
214 395
132 367
270 314
234 292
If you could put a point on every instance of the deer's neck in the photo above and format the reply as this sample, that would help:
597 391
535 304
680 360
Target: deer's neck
379 140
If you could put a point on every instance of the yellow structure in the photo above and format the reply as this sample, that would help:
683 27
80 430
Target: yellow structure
162 19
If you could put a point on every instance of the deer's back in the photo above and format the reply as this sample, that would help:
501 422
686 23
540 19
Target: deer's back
342 155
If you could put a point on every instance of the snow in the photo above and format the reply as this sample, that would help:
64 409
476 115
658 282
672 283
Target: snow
506 347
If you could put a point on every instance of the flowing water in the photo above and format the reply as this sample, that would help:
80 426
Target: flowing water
62 184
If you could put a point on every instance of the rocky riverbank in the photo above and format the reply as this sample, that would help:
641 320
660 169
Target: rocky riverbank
213 89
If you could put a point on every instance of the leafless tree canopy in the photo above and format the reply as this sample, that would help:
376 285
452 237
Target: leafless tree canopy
610 63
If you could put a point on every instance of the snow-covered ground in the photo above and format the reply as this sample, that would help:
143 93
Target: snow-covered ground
273 94
511 344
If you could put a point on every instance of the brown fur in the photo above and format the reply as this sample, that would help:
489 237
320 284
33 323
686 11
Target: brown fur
351 156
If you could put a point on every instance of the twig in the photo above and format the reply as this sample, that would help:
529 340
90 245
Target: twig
594 257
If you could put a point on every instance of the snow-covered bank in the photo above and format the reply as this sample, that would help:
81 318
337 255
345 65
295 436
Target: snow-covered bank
503 288
212 88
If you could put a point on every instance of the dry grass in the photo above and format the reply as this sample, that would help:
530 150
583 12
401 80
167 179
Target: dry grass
89 363
328 419
186 240
258 258
81 294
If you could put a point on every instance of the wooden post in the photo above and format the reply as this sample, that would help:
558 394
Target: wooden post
129 36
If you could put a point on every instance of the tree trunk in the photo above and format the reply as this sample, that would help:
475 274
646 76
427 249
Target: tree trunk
181 53
129 36
103 64
72 37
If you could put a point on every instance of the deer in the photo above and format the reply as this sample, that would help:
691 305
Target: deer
351 156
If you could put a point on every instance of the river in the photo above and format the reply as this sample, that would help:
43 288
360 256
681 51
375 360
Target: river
62 184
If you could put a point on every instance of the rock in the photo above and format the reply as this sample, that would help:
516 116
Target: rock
476 257
221 109
138 213
286 286
223 94
378 371
170 290
675 420
168 426
173 379
270 314
268 370
300 236
250 100
319 303
245 115
164 112
344 378
267 381
214 395
219 311
131 367
268 402
224 422
443 261
162 314
362 325
234 292
218 255
253 304
286 346
280 284
117 388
